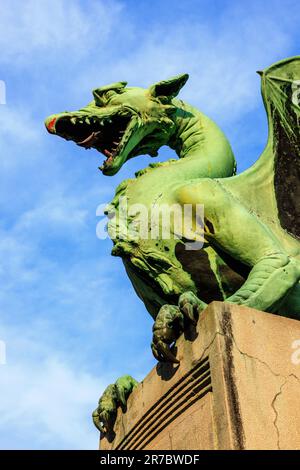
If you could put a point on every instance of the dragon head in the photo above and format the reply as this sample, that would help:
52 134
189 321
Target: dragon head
122 122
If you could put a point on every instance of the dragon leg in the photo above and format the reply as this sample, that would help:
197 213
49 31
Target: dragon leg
231 226
268 283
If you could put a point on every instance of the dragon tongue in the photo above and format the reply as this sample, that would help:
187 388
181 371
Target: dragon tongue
90 140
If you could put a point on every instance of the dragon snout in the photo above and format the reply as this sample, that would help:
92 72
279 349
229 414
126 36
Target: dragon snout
50 124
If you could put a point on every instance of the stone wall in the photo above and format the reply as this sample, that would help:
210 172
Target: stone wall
237 387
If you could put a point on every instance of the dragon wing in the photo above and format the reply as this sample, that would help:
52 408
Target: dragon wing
281 94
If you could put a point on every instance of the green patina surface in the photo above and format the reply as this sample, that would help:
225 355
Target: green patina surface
251 251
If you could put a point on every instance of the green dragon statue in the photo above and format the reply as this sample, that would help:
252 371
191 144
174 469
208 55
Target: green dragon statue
251 227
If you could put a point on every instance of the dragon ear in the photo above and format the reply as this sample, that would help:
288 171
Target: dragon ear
170 87
99 93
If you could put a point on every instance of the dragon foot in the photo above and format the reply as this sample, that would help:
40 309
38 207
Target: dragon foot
114 395
170 323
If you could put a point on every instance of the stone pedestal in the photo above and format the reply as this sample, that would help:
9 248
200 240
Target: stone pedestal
237 387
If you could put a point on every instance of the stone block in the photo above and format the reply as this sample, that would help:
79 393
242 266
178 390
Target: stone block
237 387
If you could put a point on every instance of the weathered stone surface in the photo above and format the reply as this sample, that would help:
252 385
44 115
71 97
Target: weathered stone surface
236 388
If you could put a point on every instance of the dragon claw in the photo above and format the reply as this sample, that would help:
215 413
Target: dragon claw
166 329
188 311
162 353
191 306
169 324
114 395
98 422
124 386
155 352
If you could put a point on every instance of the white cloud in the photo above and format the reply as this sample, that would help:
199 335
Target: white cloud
14 255
16 122
50 26
47 403
221 61
57 212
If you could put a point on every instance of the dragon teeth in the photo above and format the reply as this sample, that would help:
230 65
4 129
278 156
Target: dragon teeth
87 120
73 120
107 153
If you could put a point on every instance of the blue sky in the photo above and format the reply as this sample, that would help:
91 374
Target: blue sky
70 319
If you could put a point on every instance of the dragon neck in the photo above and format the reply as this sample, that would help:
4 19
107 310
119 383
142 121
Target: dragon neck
201 146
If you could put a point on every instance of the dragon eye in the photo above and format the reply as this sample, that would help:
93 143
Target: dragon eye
109 94
164 99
